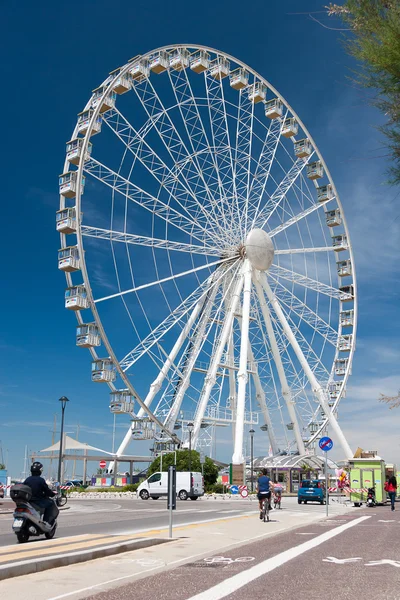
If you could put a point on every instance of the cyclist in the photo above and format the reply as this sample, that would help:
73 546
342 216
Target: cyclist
264 486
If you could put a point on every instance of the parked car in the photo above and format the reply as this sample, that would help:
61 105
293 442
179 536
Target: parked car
311 490
188 485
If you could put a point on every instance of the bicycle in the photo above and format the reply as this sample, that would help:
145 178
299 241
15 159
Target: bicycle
265 509
61 500
277 499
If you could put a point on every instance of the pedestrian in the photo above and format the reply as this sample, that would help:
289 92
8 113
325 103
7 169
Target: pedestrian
391 489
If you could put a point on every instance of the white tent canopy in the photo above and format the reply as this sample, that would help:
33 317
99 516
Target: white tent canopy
71 444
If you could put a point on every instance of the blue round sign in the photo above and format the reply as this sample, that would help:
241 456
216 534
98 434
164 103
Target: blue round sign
325 444
234 489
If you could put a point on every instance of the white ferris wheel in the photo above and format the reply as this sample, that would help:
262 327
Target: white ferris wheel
207 255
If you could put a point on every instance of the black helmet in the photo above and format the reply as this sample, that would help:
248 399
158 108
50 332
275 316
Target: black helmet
36 468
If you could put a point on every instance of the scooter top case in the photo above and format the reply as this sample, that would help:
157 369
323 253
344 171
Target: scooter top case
20 492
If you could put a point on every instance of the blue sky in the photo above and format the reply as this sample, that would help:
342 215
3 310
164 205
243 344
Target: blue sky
57 53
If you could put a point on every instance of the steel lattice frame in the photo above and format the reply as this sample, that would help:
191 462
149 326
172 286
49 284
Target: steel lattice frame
200 167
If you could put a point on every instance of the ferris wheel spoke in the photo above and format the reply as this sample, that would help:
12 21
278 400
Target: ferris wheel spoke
243 152
138 146
316 387
187 166
202 153
175 317
264 164
260 394
222 147
276 272
147 201
301 309
140 240
304 250
297 218
164 280
280 193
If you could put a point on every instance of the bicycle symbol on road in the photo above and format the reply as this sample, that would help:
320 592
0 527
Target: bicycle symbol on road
226 560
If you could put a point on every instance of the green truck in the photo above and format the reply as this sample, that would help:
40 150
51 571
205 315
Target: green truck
366 473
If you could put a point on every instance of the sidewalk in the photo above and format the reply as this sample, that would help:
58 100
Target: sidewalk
191 541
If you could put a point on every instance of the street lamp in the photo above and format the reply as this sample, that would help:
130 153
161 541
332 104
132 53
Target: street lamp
63 401
251 432
190 427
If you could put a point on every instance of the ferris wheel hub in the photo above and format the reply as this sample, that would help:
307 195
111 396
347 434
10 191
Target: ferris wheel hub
259 249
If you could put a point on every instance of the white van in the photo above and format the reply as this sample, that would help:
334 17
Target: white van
157 485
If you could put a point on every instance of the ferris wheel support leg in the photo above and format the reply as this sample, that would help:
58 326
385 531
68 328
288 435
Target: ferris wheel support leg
260 395
316 387
279 366
209 380
237 457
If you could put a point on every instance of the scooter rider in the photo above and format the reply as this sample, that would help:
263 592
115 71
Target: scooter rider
41 493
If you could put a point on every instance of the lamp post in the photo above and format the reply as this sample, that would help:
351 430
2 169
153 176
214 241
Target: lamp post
190 427
251 432
63 401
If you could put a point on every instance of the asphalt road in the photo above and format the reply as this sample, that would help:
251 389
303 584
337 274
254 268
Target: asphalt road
356 555
130 516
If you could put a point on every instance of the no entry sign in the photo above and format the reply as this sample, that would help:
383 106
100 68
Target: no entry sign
102 464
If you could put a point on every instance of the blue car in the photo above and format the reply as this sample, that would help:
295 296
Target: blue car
311 490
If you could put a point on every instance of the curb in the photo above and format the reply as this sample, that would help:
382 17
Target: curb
36 565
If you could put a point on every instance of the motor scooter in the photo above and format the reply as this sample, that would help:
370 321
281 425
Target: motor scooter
28 517
371 501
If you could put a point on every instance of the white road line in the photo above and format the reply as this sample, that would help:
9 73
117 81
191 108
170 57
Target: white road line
229 586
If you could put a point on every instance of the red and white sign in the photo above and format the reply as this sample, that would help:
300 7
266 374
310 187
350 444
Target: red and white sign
102 464
244 493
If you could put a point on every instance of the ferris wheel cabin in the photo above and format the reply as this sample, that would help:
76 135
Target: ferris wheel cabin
239 78
199 61
84 118
333 218
179 59
315 170
347 318
66 220
219 68
339 242
345 342
121 83
344 268
76 297
139 70
303 148
87 335
68 259
121 402
325 192
74 150
67 184
341 366
346 293
257 92
103 370
106 102
290 127
273 108
159 62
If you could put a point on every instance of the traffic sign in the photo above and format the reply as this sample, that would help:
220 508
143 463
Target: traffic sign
244 493
325 444
234 489
202 458
102 464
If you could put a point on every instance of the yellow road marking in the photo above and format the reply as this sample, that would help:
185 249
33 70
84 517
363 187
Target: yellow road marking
71 543
30 553
47 543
